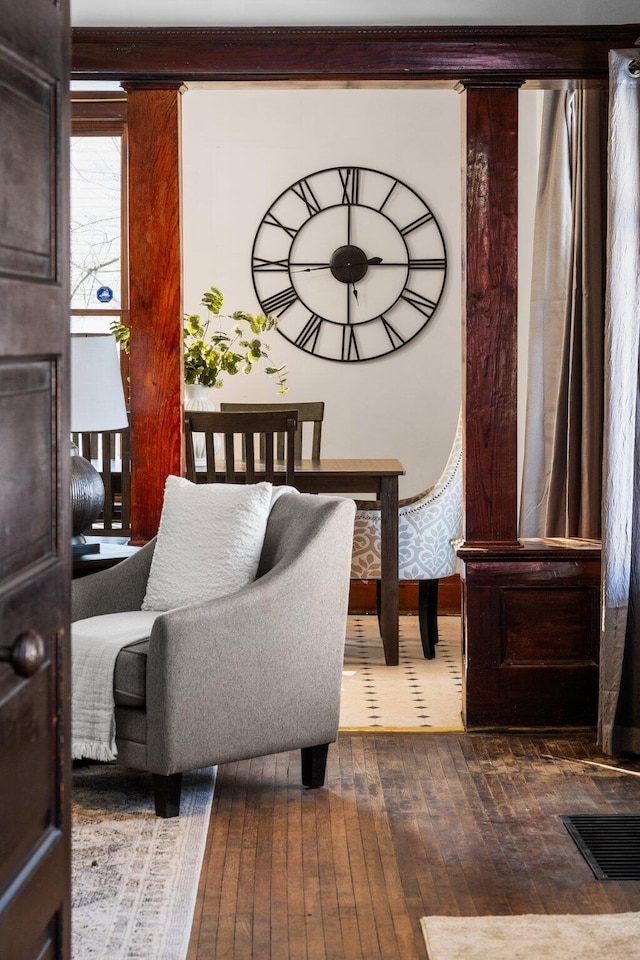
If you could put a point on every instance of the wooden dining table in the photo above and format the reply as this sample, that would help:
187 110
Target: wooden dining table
354 477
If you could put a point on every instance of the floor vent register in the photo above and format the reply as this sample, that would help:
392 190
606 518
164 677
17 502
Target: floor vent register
609 844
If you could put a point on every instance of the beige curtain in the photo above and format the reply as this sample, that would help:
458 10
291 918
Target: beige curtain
619 709
561 486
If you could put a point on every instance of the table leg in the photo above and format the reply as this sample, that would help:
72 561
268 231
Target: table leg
389 586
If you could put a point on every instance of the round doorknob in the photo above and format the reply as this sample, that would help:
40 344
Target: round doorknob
26 654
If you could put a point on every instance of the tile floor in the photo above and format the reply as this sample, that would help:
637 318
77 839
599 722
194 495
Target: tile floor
418 694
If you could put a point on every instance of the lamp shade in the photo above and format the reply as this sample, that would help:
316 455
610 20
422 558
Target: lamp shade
97 397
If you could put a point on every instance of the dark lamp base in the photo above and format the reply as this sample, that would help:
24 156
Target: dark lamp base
87 501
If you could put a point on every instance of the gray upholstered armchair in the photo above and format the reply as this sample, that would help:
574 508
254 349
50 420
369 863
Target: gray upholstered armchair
245 675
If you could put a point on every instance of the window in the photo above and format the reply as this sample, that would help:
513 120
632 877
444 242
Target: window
99 274
98 223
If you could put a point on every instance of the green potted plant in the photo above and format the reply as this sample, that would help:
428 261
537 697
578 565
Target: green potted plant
208 356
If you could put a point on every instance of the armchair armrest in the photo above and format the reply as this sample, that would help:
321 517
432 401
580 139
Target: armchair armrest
114 590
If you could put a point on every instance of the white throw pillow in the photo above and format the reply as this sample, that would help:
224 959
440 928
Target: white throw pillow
209 541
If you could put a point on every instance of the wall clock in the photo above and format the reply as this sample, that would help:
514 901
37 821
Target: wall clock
351 261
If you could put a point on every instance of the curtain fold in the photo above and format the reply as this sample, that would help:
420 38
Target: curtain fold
561 486
619 700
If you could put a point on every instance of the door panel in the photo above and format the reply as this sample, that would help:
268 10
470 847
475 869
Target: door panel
27 169
35 529
28 477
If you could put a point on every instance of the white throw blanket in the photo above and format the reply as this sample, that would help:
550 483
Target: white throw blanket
95 645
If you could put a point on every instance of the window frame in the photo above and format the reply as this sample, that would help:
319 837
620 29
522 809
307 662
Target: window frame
104 114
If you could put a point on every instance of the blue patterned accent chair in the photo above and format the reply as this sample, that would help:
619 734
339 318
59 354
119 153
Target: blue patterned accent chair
429 525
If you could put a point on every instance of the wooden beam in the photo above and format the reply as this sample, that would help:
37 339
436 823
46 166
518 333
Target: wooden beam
385 53
155 298
490 313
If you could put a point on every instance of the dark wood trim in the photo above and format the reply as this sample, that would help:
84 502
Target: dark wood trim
96 115
539 550
292 53
155 258
490 299
362 597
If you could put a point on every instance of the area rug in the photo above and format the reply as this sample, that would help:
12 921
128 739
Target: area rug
134 875
417 695
534 937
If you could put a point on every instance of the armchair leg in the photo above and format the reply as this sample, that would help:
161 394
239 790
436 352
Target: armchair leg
314 765
428 616
166 794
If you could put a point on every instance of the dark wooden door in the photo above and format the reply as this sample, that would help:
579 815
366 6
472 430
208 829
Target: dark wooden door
34 482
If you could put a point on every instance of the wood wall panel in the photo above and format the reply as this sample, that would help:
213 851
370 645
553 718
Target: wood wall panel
556 625
532 635
362 597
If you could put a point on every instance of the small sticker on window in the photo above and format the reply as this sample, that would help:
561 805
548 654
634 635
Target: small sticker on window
104 294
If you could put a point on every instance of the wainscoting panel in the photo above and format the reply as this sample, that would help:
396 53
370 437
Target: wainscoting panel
558 625
531 634
362 597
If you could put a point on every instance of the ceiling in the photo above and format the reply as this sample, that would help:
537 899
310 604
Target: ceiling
229 13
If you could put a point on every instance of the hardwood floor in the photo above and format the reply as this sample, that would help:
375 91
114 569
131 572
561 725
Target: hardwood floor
409 825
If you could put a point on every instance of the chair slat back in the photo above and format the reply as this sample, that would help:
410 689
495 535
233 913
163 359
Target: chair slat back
110 453
311 412
250 427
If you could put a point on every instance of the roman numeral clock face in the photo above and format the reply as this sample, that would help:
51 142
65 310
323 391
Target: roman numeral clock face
352 263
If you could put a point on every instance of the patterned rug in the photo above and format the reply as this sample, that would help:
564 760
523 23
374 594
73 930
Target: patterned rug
421 695
134 875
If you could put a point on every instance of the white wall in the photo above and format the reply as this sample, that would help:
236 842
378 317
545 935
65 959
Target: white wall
241 148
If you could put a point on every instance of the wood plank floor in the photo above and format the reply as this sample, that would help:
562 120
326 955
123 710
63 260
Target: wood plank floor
408 825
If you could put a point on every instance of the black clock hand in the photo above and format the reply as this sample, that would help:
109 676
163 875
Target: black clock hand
324 266
371 262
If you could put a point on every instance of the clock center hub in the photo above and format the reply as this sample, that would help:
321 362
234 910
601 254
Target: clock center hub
348 264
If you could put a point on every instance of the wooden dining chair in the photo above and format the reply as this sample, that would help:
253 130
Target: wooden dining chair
238 460
311 412
110 453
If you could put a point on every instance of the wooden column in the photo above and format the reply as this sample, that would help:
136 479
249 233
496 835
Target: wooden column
530 609
155 297
491 307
